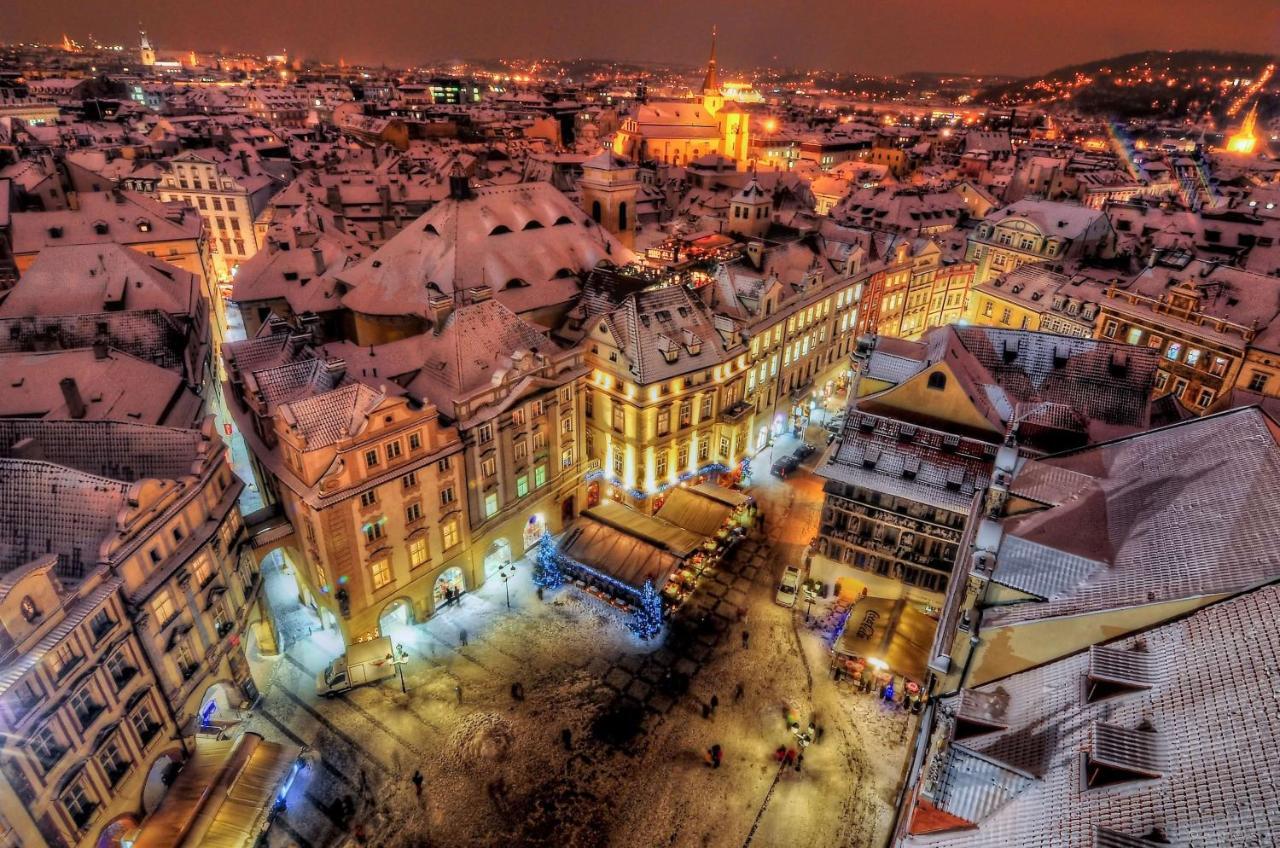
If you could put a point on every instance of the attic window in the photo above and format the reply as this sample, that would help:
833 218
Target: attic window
563 219
144 226
100 227
291 275
533 225
871 457
1118 671
937 381
55 232
955 479
377 263
431 228
516 283
563 273
499 230
1121 755
910 467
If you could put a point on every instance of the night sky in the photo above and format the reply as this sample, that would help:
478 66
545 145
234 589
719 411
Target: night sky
986 36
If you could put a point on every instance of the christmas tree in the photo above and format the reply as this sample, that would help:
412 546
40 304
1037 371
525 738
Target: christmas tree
547 572
646 622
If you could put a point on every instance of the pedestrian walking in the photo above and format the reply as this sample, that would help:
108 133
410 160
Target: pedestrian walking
715 702
517 691
706 711
462 637
738 692
746 639
364 781
781 753
818 734
539 593
715 755
458 690
789 759
566 736
799 761
417 782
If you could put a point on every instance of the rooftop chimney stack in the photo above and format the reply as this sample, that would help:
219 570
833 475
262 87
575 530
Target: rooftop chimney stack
71 394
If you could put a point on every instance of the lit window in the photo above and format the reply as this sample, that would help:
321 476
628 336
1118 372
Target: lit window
418 552
522 485
449 534
490 504
163 608
539 475
380 571
1135 335
1193 355
1173 351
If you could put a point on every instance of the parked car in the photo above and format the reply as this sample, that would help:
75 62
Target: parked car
784 466
805 451
786 595
364 662
836 424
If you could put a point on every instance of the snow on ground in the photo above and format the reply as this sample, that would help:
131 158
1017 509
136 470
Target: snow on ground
496 772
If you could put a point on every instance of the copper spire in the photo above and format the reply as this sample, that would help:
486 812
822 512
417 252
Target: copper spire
712 81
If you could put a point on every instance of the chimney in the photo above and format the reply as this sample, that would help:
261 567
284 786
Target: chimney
244 161
100 347
384 197
71 394
459 186
317 255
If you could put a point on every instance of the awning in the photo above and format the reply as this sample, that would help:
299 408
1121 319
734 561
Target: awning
618 554
693 511
891 630
672 538
729 497
223 797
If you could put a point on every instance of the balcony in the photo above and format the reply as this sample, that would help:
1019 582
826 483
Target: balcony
738 412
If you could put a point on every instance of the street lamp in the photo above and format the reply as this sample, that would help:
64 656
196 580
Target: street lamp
401 657
506 572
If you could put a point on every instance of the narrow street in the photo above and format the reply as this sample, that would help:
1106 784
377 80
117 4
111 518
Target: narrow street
496 771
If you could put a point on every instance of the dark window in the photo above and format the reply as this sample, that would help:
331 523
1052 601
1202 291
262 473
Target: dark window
937 380
595 211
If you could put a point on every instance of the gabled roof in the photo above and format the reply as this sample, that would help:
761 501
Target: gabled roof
129 218
88 278
1185 511
1195 756
665 332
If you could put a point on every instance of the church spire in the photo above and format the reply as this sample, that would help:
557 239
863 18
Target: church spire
711 85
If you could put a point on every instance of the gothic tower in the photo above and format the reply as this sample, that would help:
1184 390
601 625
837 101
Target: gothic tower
147 52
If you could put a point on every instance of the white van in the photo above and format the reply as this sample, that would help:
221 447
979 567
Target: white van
364 662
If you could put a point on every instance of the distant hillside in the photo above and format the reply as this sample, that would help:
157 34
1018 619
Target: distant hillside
1153 83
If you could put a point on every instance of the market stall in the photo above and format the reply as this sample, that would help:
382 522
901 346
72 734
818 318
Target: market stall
883 647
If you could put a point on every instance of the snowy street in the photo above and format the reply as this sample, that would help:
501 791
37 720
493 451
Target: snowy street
496 770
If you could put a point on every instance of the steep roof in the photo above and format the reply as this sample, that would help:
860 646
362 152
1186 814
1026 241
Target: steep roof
1185 511
1205 744
79 279
129 218
507 238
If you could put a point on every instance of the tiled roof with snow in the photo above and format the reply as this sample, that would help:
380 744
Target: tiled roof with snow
1185 511
503 237
79 279
1200 722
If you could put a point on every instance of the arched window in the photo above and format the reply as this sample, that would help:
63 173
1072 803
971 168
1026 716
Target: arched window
595 211
533 225
937 380
499 230
622 215
562 220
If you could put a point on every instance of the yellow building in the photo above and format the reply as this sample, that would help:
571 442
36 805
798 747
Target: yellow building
680 132
120 629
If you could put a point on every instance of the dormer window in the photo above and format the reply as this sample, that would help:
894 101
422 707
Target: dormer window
499 230
30 612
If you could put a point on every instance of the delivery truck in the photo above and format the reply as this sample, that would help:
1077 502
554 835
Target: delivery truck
364 662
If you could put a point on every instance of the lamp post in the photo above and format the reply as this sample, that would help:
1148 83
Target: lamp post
506 572
401 657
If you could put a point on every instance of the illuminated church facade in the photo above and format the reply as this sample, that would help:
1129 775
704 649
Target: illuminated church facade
679 132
